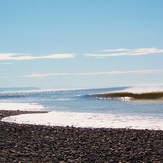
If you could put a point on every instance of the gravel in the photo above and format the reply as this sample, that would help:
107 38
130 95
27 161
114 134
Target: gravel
31 143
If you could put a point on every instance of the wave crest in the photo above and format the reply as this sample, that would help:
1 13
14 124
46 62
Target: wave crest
126 96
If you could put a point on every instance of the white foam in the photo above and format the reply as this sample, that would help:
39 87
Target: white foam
94 120
143 89
125 98
44 91
21 106
115 98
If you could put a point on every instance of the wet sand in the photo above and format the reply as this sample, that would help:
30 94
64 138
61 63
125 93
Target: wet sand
31 143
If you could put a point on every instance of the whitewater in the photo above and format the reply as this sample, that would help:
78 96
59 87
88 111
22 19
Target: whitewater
78 109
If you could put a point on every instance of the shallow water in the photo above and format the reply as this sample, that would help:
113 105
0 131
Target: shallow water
78 101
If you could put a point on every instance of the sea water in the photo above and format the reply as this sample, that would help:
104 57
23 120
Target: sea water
76 108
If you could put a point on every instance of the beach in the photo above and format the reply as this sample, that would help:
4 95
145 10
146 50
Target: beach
36 143
81 81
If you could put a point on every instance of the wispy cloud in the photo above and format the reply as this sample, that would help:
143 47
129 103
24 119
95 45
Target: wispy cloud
22 57
139 72
46 75
125 52
6 63
4 77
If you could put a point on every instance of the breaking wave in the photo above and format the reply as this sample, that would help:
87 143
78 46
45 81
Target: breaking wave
8 94
133 93
127 96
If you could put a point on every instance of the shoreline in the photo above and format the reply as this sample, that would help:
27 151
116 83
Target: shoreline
35 143
6 113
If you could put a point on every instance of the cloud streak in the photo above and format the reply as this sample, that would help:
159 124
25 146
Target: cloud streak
98 54
19 57
46 75
6 63
125 52
4 77
136 72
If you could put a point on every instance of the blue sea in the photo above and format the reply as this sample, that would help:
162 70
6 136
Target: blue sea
79 102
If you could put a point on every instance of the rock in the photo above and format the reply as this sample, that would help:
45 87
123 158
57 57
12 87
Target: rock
133 138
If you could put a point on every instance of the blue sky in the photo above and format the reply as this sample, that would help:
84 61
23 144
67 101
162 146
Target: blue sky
81 43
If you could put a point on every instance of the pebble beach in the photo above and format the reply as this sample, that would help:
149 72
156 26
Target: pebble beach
35 143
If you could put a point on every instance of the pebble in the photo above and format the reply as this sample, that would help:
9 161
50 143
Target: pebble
31 143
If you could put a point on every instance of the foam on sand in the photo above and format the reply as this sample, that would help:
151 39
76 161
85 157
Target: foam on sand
88 120
21 106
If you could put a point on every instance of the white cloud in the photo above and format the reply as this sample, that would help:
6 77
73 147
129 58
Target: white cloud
125 52
139 72
18 57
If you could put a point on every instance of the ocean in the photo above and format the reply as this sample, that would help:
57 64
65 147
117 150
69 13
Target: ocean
82 108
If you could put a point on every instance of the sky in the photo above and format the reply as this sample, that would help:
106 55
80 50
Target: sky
81 43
